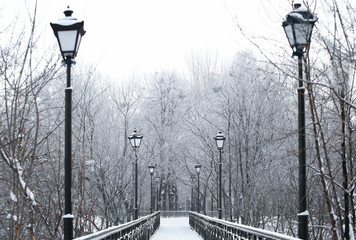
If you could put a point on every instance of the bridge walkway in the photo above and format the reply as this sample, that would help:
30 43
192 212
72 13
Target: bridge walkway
175 229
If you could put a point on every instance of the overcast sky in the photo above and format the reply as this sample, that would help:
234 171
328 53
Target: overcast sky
126 36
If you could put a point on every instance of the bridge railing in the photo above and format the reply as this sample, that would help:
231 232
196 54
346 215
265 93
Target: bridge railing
215 229
140 229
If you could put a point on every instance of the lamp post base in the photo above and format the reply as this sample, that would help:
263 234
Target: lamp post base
136 214
220 213
68 226
303 226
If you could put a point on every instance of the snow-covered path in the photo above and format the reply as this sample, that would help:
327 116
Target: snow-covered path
175 229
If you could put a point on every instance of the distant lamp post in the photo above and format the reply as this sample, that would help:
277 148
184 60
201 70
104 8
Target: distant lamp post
157 179
197 168
298 26
68 31
135 139
220 140
152 169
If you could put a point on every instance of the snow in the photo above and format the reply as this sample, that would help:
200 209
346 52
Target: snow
29 193
13 217
66 21
17 167
305 213
351 233
301 9
3 155
175 229
13 196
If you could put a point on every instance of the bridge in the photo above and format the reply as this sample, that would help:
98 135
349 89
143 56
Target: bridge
183 226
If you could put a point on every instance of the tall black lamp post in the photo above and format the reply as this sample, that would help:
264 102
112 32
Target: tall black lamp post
152 169
135 139
298 26
157 179
197 168
192 194
68 31
220 139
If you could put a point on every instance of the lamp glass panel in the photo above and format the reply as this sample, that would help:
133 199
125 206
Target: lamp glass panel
67 40
132 140
78 43
138 142
302 33
220 143
289 32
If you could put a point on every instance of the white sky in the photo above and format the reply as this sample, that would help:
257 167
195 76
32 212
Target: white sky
144 36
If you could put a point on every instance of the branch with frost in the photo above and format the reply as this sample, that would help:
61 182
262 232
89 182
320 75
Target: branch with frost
15 166
319 172
334 90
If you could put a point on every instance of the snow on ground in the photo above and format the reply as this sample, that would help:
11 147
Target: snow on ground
175 229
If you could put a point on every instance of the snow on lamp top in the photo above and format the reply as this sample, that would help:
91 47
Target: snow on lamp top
220 139
298 26
197 168
152 169
135 139
68 31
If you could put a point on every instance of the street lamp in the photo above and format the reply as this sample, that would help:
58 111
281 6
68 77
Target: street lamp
152 169
135 139
157 179
298 26
68 31
197 168
220 139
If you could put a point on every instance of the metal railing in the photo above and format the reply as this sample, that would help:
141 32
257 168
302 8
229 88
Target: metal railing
140 229
215 229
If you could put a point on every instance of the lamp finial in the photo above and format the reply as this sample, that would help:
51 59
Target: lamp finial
68 12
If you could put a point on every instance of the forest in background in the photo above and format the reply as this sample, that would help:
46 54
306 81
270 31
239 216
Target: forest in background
252 99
